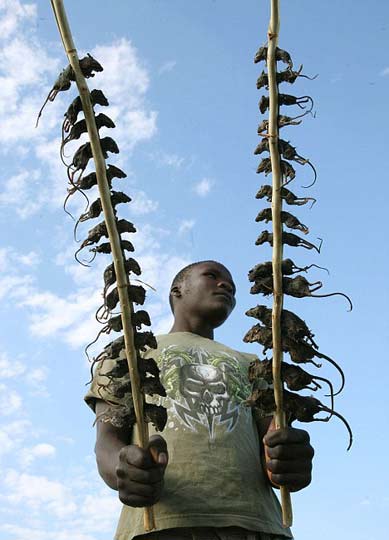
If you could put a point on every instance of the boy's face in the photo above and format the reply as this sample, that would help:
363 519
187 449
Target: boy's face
208 291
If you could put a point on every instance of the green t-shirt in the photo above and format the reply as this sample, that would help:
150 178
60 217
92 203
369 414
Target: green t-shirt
214 477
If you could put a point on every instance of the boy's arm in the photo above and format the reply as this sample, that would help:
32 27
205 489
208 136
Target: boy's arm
287 454
109 442
136 473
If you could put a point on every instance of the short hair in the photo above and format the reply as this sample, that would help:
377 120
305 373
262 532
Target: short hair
181 276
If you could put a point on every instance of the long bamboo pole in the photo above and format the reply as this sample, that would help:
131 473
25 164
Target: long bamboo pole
273 32
114 238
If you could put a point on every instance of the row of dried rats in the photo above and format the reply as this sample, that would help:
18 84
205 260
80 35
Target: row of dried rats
296 338
118 380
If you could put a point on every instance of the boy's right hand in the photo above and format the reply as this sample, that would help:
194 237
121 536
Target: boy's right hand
141 471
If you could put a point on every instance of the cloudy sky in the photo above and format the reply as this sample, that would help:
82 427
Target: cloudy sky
181 81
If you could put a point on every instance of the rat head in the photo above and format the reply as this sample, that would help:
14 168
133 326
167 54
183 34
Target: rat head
203 290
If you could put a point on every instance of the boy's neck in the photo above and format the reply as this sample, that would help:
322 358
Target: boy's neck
193 326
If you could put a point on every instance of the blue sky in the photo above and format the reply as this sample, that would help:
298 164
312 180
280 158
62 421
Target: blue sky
182 85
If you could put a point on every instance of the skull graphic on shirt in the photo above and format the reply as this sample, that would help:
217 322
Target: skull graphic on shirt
204 388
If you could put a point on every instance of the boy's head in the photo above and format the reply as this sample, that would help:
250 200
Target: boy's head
203 289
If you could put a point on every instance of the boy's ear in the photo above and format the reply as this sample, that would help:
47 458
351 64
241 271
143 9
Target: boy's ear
175 291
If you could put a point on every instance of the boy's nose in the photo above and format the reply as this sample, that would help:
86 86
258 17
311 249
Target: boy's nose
226 285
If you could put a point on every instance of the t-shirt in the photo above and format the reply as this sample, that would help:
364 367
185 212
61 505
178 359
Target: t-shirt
214 477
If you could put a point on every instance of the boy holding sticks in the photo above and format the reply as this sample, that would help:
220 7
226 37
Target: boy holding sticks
206 477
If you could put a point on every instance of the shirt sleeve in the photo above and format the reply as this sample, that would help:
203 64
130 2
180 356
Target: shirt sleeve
99 388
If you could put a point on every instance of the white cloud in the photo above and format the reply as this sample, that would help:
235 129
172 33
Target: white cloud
186 225
41 450
167 67
24 63
123 73
14 287
385 72
172 160
159 270
9 369
29 259
68 440
24 70
51 509
84 333
10 258
38 533
10 401
163 324
13 188
4 259
71 317
6 443
35 492
18 192
203 187
147 239
53 189
83 276
168 160
36 378
37 375
141 204
96 514
138 126
98 510
126 82
18 428
13 434
12 14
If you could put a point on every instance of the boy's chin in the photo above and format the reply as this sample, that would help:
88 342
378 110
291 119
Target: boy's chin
219 316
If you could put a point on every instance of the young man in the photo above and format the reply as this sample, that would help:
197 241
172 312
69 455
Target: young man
206 476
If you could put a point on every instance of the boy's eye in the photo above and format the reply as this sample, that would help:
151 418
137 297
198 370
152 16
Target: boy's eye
214 276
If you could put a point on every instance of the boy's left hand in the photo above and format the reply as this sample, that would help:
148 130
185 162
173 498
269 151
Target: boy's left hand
288 456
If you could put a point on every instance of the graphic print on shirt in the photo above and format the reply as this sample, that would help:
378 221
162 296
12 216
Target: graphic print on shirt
204 387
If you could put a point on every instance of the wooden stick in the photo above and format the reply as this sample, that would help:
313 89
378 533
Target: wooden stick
114 238
273 30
